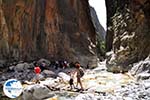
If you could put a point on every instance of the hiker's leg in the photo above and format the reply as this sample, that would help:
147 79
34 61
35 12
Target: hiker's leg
73 86
77 81
37 78
77 85
80 83
70 87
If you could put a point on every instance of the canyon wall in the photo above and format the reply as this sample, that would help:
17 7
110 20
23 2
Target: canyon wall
53 29
128 33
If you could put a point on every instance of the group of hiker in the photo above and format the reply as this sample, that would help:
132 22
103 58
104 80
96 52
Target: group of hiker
62 64
78 72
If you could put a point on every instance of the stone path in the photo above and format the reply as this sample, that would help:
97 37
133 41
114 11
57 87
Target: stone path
100 85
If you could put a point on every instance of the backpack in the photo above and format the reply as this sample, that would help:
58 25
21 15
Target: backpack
81 72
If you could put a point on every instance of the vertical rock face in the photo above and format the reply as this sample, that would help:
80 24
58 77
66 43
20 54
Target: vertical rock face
56 29
98 27
100 34
128 32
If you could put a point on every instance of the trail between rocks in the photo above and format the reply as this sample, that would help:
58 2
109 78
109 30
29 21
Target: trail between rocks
99 85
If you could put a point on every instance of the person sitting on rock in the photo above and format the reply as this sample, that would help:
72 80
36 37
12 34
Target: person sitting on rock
80 73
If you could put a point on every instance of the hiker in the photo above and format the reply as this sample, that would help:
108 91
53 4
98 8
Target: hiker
42 66
56 65
37 71
65 64
80 74
71 81
60 64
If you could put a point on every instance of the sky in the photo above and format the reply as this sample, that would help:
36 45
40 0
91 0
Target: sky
100 9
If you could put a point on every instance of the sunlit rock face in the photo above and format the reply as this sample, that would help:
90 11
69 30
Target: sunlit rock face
99 28
56 29
100 34
128 34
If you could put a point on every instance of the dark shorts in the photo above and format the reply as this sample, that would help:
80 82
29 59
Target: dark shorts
71 81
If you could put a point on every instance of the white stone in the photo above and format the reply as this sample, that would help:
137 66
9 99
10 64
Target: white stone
64 76
85 97
127 98
36 92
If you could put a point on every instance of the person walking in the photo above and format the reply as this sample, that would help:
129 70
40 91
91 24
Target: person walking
79 75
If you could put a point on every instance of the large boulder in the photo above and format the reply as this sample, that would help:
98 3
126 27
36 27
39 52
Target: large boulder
21 67
2 64
36 92
142 66
141 69
49 73
64 76
44 62
113 65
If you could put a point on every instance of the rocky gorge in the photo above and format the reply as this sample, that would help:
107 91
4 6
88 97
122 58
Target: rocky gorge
127 33
69 30
99 84
50 29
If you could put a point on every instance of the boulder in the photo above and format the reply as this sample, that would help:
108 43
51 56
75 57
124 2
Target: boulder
113 64
36 92
44 61
21 67
146 84
31 66
85 97
140 67
2 64
49 73
11 68
64 76
142 76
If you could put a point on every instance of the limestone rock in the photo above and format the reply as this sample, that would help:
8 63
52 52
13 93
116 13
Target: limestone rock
99 28
45 62
64 76
143 76
53 29
36 92
2 64
140 67
85 97
21 67
49 73
127 32
100 34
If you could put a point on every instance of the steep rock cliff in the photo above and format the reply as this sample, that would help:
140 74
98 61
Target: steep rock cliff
55 29
98 27
128 34
100 34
